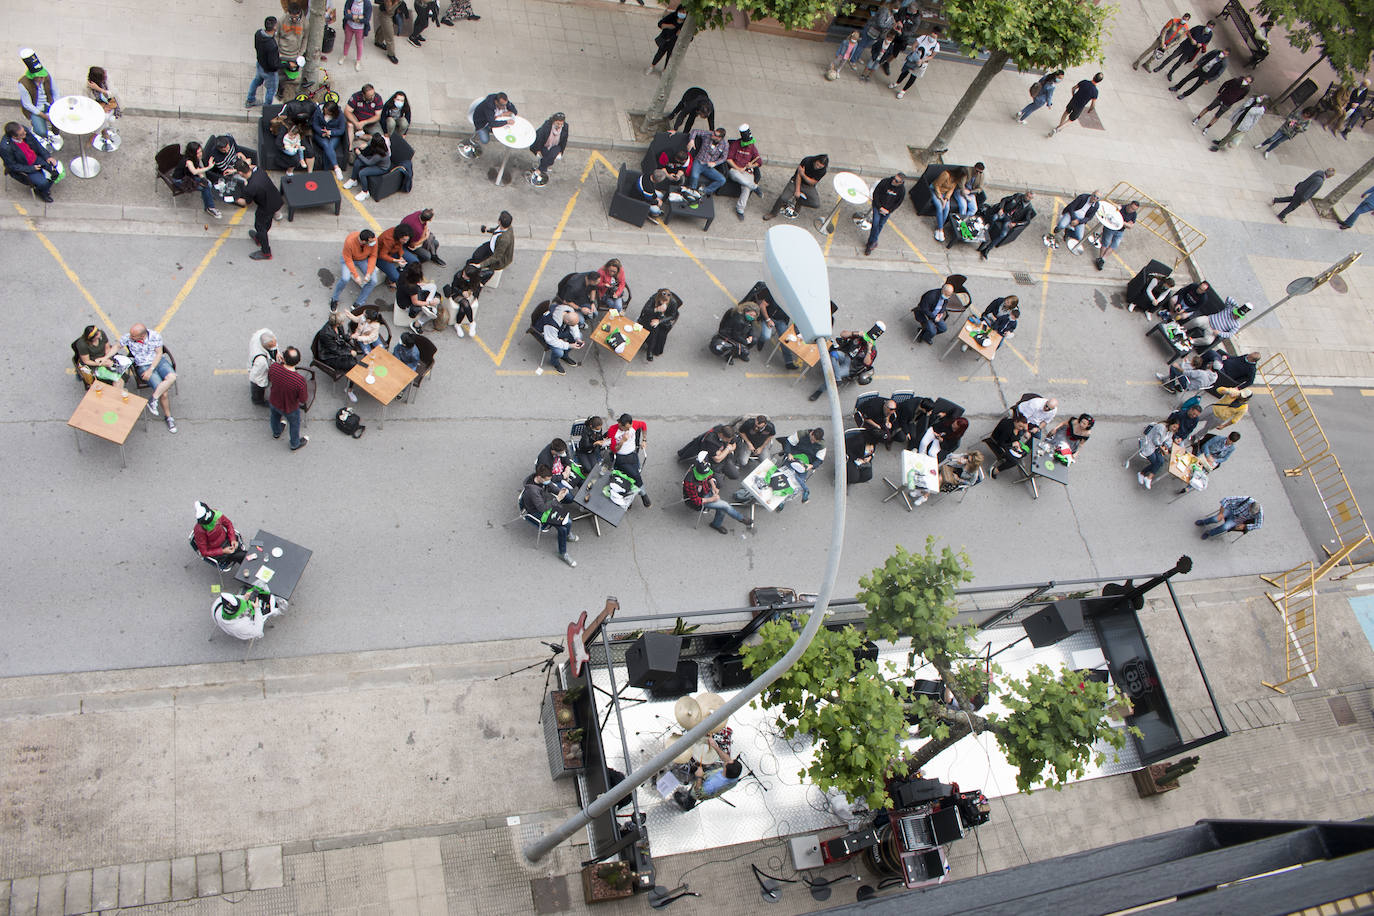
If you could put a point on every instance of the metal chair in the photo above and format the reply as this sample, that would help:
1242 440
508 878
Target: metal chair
139 384
860 402
333 374
539 312
428 351
220 564
167 160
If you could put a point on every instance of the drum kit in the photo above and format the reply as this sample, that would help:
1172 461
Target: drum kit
690 711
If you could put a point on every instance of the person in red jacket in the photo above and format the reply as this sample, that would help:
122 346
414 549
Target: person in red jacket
215 536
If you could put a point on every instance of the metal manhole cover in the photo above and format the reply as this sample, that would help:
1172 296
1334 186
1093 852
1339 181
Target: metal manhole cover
1340 709
1020 276
550 894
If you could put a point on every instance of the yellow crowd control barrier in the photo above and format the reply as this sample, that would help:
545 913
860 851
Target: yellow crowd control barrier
1179 234
1296 603
1296 412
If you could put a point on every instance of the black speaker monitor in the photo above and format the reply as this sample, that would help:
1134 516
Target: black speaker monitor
1049 625
653 657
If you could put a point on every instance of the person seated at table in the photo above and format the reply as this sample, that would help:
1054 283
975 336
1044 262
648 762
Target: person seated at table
1074 219
215 537
154 367
396 115
1151 294
962 470
230 164
555 456
858 453
497 252
1155 446
629 439
418 298
853 354
371 161
407 350
701 491
1001 316
336 349
808 444
1236 513
593 444
654 188
1009 441
612 285
877 417
1011 212
561 332
931 311
970 189
1187 417
245 616
754 435
736 331
711 152
461 296
1189 301
298 147
659 314
1213 450
543 506
367 329
362 114
801 189
1073 432
1196 377
496 110
1210 329
99 359
1039 412
718 443
331 130
29 159
391 246
580 290
951 430
772 320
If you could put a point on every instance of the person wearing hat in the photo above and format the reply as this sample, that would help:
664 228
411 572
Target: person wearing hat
36 95
245 616
852 353
550 140
215 537
30 160
700 490
743 161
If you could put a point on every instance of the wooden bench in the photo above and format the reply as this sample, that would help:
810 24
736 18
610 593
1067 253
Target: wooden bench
1250 36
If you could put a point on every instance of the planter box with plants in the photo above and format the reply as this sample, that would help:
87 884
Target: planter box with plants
607 881
564 732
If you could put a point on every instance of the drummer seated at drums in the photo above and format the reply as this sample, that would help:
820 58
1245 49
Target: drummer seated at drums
708 782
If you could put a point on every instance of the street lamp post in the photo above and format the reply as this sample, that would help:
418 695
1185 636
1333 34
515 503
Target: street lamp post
796 267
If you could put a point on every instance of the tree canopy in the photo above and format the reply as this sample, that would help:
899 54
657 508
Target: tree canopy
1343 30
1033 34
859 713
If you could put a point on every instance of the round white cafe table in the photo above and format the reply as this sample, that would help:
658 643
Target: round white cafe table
1108 215
79 116
518 134
850 189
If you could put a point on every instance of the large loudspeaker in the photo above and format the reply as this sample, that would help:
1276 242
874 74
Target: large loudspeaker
682 682
653 657
1049 625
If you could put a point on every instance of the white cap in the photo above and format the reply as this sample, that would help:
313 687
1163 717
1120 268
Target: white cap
25 52
744 128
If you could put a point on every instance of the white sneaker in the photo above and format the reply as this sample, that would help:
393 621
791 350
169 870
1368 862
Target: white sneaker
939 235
361 195
290 172
351 396
472 329
892 85
152 407
648 71
1143 480
357 65
1161 375
338 173
567 559
571 536
900 93
1266 154
459 329
350 183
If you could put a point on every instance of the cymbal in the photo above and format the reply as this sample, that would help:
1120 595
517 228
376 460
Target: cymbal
709 702
687 711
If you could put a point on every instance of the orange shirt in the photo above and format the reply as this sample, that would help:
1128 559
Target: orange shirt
355 249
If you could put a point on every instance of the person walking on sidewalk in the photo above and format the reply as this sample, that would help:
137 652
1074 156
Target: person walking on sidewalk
357 23
1189 48
1304 191
1231 92
268 64
669 25
1084 98
384 37
1292 125
1173 30
1365 206
888 195
263 193
1042 95
287 396
919 58
1210 67
1242 121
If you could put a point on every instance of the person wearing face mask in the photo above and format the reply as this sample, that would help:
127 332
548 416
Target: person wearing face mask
668 28
358 263
396 115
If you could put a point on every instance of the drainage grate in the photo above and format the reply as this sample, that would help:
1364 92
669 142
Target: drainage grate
1340 709
1023 278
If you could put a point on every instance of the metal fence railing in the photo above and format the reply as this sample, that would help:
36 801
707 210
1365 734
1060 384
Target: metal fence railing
1295 410
1179 234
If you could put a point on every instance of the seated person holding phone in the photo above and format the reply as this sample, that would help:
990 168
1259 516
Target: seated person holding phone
215 537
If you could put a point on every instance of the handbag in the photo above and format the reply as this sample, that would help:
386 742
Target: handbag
327 45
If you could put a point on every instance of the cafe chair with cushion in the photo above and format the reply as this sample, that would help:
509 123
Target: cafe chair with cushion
539 312
903 396
84 373
333 374
428 351
139 384
860 402
167 160
220 564
531 518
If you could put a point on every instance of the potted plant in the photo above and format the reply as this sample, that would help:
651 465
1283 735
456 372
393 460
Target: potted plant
607 881
563 731
565 705
570 743
1158 778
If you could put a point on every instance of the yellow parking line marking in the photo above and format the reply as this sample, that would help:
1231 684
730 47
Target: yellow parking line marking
893 378
829 240
977 378
655 374
371 221
1044 296
1367 392
71 274
1151 384
695 260
516 372
192 280
597 157
1068 381
791 375
901 235
1319 392
231 372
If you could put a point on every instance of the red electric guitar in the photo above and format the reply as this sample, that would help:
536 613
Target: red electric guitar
579 634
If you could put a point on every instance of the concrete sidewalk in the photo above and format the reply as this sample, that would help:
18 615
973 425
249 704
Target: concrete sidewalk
587 58
407 781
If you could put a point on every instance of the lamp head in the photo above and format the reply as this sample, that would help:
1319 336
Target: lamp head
798 279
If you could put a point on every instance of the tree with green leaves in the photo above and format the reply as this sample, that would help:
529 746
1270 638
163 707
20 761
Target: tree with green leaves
1032 34
714 14
860 714
1339 29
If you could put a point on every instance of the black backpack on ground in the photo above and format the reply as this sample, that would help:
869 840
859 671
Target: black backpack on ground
347 422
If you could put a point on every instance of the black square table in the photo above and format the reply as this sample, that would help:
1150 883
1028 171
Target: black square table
590 497
1039 463
287 569
704 210
310 189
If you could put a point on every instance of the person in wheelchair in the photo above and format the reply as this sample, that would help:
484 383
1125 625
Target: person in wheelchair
853 355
